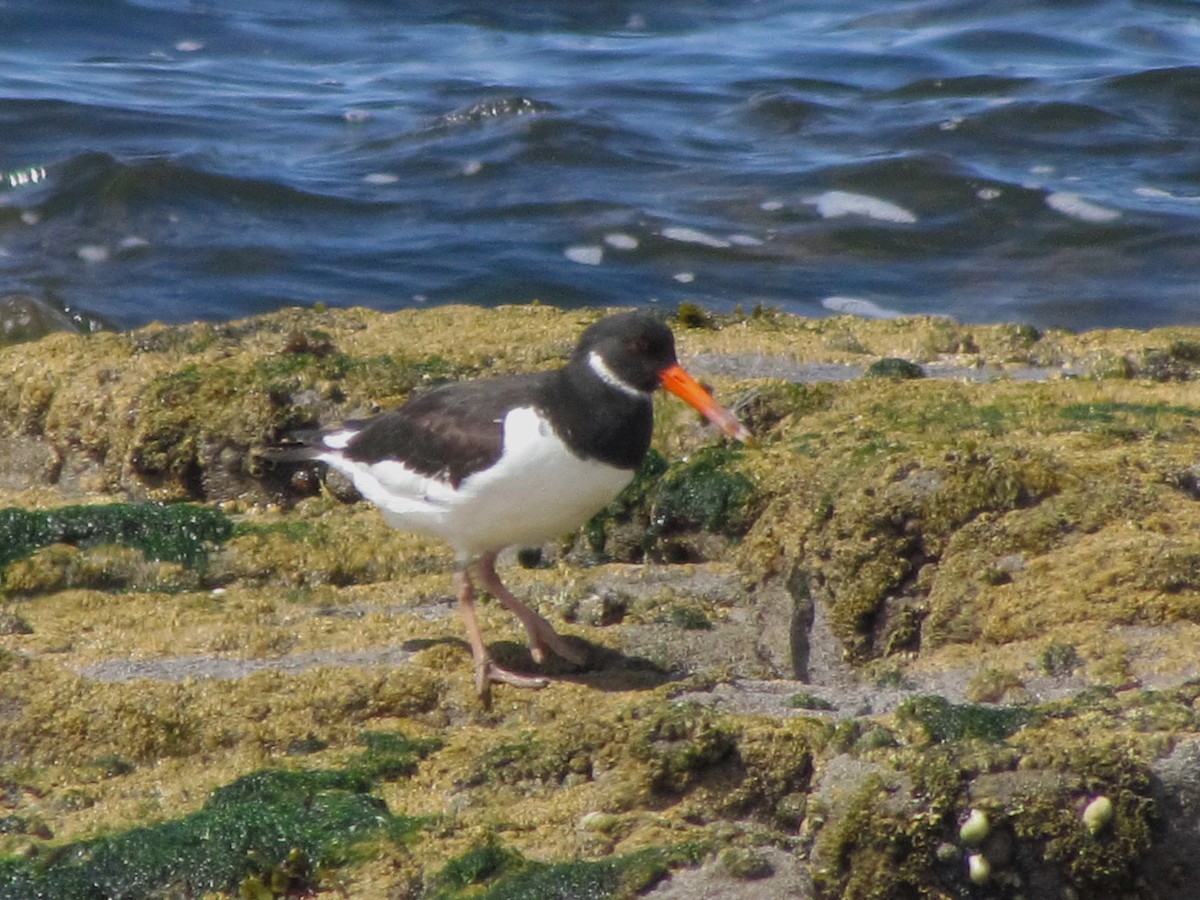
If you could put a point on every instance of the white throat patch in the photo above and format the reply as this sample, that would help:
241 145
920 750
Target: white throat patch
608 376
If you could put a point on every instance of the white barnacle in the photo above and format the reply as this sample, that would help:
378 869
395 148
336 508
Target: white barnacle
975 828
979 870
1097 814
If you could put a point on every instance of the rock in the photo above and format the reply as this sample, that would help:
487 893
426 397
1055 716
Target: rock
788 879
1171 867
25 318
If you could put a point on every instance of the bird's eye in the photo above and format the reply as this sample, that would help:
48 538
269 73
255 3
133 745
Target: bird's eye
639 345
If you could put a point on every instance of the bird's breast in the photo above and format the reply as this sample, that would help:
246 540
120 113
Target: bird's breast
537 490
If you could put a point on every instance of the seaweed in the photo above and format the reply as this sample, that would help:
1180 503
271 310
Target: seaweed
513 877
390 755
272 829
941 721
895 368
181 533
707 493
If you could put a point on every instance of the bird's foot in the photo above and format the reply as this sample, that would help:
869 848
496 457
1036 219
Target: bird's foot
488 673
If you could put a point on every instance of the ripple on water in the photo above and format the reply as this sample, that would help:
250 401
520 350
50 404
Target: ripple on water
580 153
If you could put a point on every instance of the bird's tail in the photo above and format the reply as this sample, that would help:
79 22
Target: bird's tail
301 446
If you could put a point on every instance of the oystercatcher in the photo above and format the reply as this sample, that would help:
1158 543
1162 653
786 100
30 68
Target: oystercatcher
516 460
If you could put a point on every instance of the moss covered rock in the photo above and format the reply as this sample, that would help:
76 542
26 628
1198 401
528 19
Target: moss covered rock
989 576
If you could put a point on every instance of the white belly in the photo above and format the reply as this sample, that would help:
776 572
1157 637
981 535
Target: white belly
537 490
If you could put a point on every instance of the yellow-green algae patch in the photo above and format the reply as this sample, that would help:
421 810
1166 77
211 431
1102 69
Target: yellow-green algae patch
932 513
989 536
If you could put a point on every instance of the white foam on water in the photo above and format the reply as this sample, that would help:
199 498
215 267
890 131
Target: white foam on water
693 236
1075 206
835 204
92 253
585 254
744 240
1154 193
619 240
856 306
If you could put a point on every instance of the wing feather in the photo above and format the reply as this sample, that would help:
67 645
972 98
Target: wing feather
450 432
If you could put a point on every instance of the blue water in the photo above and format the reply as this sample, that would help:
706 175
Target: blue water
1022 161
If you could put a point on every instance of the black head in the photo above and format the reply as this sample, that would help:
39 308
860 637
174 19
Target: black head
634 346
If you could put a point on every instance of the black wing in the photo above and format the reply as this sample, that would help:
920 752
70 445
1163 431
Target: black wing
451 432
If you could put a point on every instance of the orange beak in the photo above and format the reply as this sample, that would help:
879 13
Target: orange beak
689 390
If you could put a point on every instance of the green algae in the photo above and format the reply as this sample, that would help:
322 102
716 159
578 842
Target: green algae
681 744
771 406
940 721
871 851
507 875
622 878
894 368
1108 412
806 700
111 547
745 864
1060 658
391 755
705 492
528 759
477 866
666 503
274 827
182 533
626 511
689 618
693 315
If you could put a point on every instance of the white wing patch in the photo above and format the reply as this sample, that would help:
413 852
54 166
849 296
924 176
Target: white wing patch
338 440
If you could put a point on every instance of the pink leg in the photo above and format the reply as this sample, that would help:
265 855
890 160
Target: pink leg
541 633
487 672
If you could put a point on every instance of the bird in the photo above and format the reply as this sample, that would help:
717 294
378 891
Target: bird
515 460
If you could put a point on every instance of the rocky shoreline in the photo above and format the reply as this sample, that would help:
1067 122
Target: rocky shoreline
933 636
